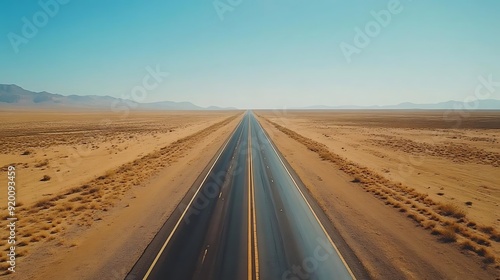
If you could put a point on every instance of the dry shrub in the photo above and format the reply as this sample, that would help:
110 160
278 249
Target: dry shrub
81 207
480 240
77 189
42 163
447 234
471 225
55 230
21 253
415 217
35 239
434 217
482 252
93 205
57 198
357 180
76 198
44 204
66 206
487 229
45 178
495 236
45 227
489 258
429 224
467 245
453 210
91 191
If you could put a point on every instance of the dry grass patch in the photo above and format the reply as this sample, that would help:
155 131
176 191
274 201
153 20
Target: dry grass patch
487 229
429 224
447 234
44 204
451 209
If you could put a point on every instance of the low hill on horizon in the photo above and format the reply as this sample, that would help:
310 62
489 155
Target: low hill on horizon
480 104
17 97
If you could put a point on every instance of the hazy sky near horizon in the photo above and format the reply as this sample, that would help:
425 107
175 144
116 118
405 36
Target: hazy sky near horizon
255 54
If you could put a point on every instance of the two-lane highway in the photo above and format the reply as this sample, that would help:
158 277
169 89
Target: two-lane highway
245 218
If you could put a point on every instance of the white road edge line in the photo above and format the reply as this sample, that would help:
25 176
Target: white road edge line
322 227
190 202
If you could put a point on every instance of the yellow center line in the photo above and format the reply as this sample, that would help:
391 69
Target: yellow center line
250 274
253 207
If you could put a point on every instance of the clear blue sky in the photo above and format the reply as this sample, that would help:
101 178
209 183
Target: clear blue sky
263 54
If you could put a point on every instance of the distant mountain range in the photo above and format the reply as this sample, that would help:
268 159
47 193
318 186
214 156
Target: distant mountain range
482 104
17 97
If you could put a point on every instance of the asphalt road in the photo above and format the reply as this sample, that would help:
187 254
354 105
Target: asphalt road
246 217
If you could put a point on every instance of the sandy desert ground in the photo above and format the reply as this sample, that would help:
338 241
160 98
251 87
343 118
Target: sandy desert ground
83 178
415 194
